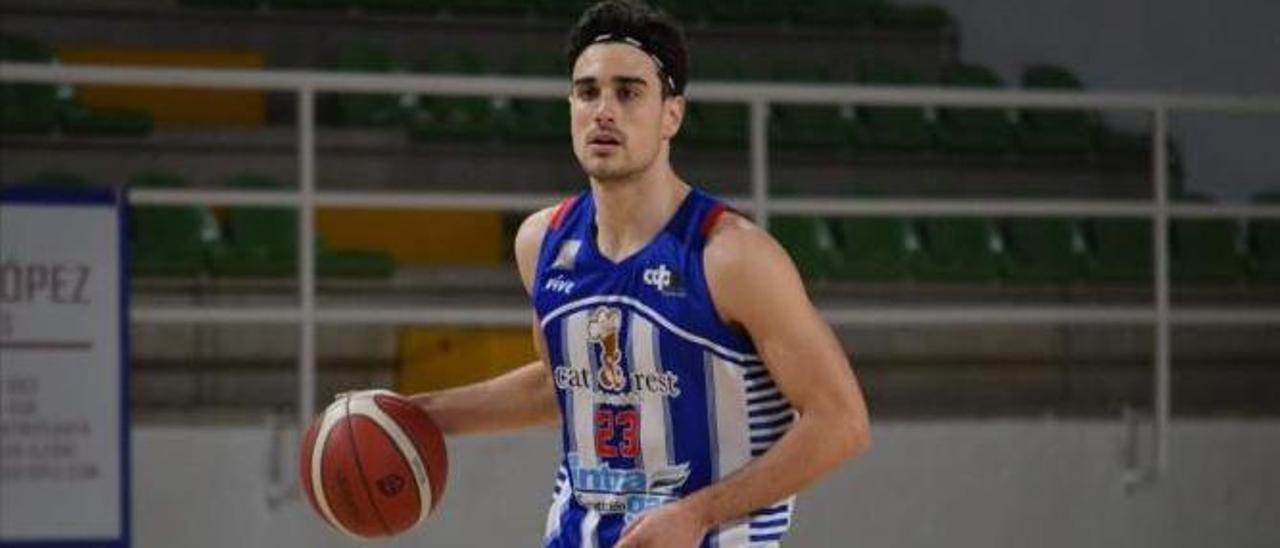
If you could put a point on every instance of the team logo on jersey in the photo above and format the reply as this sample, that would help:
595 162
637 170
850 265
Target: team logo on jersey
603 327
568 255
664 280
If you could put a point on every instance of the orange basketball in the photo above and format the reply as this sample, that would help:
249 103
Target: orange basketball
373 465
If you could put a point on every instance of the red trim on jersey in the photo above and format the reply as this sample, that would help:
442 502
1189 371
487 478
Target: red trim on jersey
710 220
558 215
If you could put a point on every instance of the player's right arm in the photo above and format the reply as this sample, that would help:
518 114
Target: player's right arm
520 398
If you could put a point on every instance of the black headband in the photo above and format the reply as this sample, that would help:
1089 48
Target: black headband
667 80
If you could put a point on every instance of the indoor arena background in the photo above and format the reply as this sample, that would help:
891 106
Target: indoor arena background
969 187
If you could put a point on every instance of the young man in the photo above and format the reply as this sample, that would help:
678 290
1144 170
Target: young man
697 387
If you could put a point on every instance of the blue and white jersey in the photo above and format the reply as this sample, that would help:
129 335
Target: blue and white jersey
659 397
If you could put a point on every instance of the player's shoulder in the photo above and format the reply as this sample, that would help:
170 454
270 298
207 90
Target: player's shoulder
528 241
734 241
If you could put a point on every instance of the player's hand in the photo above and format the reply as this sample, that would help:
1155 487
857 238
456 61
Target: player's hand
668 526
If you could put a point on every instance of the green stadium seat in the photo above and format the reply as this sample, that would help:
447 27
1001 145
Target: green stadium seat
717 125
959 250
1264 243
917 18
687 11
1055 130
974 129
1119 250
309 4
260 241
375 6
876 249
263 241
223 4
1206 250
450 118
74 118
906 128
27 108
169 240
501 7
835 12
1043 251
807 125
58 179
540 120
811 243
747 11
372 109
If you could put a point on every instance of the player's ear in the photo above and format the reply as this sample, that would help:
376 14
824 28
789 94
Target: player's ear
673 110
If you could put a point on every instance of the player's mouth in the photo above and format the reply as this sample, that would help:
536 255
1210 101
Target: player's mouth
603 142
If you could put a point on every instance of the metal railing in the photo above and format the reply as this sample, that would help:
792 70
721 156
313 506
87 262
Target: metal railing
758 97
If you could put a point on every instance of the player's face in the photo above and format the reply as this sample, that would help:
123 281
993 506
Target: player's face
620 120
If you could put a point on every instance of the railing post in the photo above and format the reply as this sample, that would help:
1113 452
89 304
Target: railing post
1161 389
760 161
306 257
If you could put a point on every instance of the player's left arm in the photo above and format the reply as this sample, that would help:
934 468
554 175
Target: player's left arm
755 285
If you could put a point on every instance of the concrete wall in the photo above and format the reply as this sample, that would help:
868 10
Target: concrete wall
957 484
1182 46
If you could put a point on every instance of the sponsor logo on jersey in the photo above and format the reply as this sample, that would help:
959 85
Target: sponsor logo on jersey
559 284
664 280
627 491
611 381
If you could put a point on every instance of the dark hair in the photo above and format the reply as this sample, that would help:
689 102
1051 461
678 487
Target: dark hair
639 24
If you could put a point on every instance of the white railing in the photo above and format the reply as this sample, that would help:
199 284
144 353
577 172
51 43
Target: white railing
759 97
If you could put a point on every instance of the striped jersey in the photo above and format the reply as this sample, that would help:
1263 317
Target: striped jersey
659 397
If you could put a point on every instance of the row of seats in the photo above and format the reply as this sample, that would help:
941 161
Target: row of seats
240 241
879 13
38 108
1033 251
958 130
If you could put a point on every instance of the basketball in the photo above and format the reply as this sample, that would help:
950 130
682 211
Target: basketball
373 465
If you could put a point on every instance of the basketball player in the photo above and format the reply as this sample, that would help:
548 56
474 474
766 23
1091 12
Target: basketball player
696 386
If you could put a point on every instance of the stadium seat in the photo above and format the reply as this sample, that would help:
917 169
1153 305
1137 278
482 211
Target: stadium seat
260 241
27 108
372 109
169 240
885 127
57 179
1055 130
500 7
223 4
806 125
916 18
263 241
1043 251
75 118
811 243
716 125
1264 243
471 117
834 12
1206 250
876 249
974 129
540 120
747 11
959 250
1119 250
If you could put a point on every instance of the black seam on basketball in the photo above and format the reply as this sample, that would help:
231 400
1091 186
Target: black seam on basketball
355 452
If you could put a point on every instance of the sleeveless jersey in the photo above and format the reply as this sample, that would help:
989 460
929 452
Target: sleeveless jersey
658 396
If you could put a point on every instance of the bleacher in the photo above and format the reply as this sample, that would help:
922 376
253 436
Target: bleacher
245 140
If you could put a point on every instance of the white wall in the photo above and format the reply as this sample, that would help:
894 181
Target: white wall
956 484
1152 45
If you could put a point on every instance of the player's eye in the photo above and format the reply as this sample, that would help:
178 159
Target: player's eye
628 93
586 93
